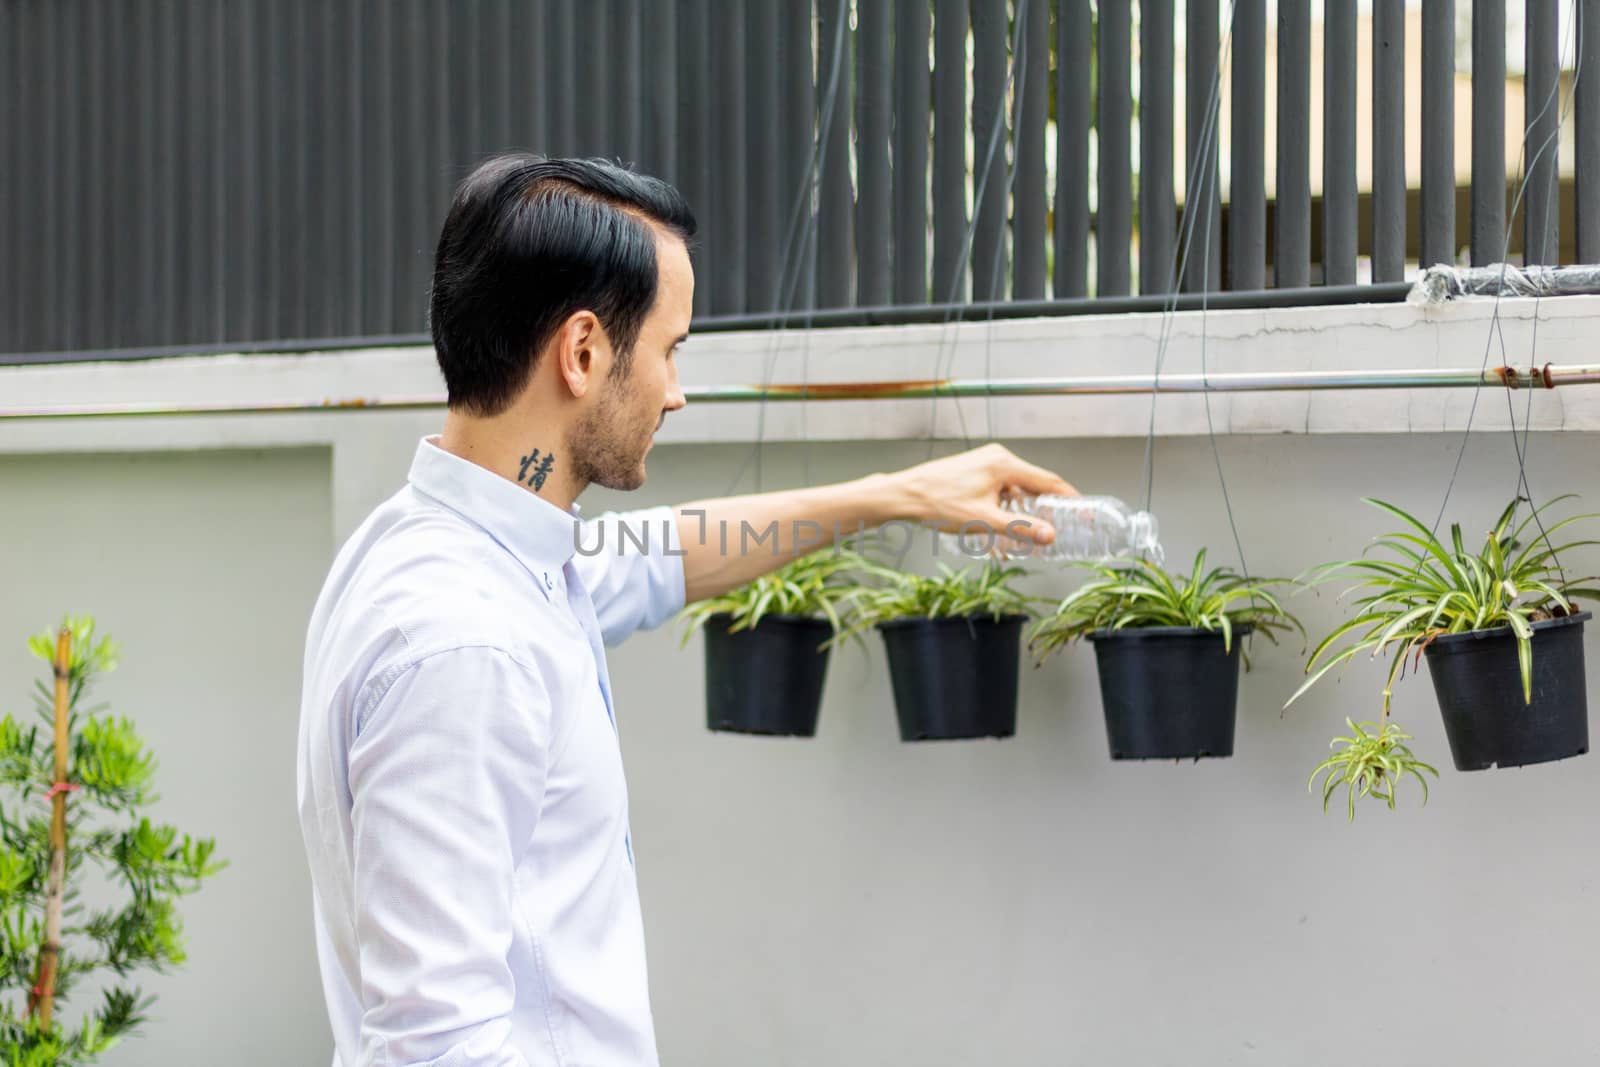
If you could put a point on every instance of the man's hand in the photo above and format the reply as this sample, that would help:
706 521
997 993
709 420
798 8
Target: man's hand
966 488
944 493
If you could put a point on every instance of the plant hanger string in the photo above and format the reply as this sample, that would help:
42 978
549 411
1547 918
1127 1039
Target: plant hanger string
944 353
1496 328
792 260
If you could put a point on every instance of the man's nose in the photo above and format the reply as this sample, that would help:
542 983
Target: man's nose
675 397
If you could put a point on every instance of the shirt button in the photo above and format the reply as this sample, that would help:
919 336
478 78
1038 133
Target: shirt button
548 584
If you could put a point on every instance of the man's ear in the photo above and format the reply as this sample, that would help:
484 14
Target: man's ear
576 351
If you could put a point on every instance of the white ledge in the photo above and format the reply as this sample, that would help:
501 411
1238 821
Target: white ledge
1344 338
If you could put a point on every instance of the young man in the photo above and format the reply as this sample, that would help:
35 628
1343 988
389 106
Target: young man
460 782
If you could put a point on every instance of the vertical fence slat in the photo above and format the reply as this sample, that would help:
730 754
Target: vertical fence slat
1388 141
319 111
1586 150
911 133
525 115
1114 219
949 147
298 146
1157 206
32 101
10 313
412 165
1291 254
1541 123
694 177
729 191
1032 104
1488 131
591 98
1438 132
626 105
443 173
835 199
874 192
988 147
659 138
1339 203
497 57
1202 264
799 148
766 217
1073 37
559 60
145 274
1247 208
66 232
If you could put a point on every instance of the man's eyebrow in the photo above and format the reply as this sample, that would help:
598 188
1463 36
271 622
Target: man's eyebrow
682 337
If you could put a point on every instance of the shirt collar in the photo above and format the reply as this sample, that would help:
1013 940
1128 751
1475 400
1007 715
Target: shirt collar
534 530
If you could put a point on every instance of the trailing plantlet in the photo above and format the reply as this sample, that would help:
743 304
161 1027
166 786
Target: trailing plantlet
1372 763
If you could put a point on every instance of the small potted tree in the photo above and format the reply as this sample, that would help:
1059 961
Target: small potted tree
95 776
1499 627
953 643
767 645
1168 649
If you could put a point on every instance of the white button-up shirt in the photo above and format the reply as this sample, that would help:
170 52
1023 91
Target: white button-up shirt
460 782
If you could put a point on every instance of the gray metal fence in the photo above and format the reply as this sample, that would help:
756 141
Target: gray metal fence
218 172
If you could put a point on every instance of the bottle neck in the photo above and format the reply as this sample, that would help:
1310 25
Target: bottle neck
1142 532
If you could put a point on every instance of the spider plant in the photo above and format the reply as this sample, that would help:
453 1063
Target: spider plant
1372 763
812 586
980 591
1142 594
1430 588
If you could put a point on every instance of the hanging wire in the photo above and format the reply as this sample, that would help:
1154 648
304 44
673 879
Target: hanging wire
792 261
1496 329
942 364
1199 175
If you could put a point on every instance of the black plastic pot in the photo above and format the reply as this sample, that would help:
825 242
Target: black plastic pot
767 679
1168 692
1478 681
954 678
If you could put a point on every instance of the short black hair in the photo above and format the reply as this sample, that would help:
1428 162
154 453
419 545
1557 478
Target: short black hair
528 242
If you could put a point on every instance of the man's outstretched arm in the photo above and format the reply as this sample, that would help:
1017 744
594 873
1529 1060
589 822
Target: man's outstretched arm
732 540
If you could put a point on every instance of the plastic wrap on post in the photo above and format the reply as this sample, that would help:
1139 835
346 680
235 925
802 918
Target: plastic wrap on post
1442 282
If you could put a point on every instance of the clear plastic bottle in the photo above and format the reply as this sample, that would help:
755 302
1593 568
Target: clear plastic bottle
1088 528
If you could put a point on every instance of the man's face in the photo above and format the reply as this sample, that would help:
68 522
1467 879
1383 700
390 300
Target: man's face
614 438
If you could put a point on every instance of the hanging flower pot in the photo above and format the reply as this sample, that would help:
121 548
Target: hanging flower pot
767 645
1168 692
1168 650
953 642
954 678
766 679
1498 627
1478 680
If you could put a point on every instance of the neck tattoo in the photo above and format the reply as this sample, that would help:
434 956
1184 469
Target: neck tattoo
536 468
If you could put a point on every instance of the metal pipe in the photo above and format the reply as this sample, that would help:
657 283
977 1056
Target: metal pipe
1549 376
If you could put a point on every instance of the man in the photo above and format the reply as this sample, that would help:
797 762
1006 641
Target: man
460 782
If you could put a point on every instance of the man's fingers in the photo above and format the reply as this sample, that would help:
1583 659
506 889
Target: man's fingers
1027 527
1031 479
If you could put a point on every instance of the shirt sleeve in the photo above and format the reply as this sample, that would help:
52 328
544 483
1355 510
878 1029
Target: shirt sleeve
446 778
632 564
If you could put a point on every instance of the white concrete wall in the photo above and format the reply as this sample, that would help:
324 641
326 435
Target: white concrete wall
852 900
